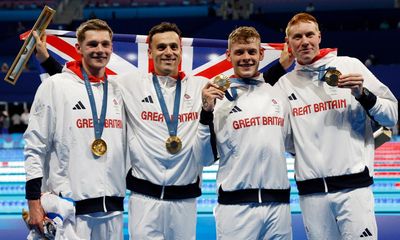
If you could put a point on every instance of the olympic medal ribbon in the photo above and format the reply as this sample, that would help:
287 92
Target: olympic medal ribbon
240 81
99 146
173 143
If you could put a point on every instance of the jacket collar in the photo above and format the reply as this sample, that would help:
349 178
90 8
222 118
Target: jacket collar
76 67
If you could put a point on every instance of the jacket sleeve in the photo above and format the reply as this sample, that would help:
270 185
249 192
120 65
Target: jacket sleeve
38 139
273 74
52 66
378 100
206 139
205 148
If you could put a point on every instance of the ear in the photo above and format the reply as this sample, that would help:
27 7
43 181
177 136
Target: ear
262 53
78 48
319 37
149 53
228 55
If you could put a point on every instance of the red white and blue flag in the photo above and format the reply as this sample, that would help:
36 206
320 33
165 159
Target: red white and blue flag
202 57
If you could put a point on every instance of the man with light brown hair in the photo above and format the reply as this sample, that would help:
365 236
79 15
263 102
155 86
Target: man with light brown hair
70 145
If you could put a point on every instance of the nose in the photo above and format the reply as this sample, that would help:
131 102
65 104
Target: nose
304 41
99 48
246 55
168 51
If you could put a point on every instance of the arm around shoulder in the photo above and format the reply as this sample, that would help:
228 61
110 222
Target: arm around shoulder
273 74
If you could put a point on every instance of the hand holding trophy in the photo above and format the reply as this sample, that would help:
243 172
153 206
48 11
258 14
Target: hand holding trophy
29 45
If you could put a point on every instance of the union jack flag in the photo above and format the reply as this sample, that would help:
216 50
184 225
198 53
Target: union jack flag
207 56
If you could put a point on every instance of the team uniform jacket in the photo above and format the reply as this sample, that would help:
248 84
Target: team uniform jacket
59 137
332 130
251 134
148 130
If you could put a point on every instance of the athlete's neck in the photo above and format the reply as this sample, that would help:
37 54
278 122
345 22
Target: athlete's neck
172 75
95 72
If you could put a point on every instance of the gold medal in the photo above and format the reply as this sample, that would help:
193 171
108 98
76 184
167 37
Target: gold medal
99 147
222 81
331 77
173 144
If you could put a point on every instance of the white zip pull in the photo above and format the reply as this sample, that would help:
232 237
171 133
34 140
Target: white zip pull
104 204
259 196
325 186
162 192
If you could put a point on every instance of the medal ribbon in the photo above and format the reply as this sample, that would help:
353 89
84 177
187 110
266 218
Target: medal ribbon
242 81
98 123
172 124
321 70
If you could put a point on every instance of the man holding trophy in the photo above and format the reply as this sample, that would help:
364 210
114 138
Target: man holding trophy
252 128
75 143
333 101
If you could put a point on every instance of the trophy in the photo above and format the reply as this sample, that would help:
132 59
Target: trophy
222 81
331 77
29 45
382 135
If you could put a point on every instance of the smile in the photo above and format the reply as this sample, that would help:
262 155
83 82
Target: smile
99 58
246 65
305 50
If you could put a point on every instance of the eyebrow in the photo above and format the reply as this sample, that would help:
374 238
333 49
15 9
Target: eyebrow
168 44
246 49
306 33
97 42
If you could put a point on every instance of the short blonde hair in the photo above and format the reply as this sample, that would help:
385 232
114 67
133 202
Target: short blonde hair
243 35
92 24
301 18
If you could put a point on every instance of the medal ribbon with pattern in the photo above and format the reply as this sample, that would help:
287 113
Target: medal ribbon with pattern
173 143
242 81
330 75
99 146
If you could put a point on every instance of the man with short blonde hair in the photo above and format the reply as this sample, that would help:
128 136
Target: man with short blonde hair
243 34
252 128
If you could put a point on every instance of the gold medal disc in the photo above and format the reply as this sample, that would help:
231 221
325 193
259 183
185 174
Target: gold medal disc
99 147
331 77
173 144
222 81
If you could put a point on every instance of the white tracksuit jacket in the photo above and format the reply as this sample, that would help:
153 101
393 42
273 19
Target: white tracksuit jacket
59 137
149 158
332 131
251 134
